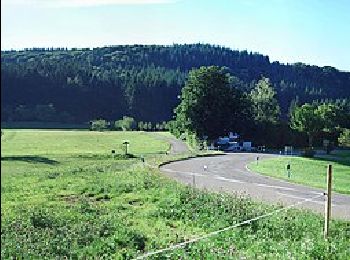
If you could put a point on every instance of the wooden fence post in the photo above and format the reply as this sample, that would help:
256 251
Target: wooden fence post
328 204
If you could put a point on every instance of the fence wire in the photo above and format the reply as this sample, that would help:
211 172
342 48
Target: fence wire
182 244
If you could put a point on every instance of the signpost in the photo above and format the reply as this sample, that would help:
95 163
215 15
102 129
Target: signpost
126 143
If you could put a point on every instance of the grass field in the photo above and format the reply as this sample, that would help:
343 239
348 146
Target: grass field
307 171
63 195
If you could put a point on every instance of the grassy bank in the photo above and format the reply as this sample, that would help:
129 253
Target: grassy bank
311 172
62 194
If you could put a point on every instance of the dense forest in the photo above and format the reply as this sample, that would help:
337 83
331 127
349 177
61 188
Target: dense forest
142 81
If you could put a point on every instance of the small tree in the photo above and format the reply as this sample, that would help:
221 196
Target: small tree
164 126
145 126
140 125
98 125
149 126
125 124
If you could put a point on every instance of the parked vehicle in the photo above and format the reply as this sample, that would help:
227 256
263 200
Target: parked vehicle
231 144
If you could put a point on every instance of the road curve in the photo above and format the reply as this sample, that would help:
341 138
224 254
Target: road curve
228 173
176 146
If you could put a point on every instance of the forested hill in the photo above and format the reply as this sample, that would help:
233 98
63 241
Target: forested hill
142 81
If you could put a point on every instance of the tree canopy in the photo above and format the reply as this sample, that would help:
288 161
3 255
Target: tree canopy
315 118
211 105
265 105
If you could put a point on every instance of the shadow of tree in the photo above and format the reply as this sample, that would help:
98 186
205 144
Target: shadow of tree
343 161
30 159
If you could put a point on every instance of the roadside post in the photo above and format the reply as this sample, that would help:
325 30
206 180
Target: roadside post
126 143
288 170
257 160
113 153
328 206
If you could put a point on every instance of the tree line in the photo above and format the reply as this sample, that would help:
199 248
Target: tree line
212 105
144 81
127 124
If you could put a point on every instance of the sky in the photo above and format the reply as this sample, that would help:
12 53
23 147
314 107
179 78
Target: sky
315 32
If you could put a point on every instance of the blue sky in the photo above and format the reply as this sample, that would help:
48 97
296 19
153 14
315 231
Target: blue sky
315 32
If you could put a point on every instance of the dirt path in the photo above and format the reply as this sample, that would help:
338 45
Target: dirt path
228 173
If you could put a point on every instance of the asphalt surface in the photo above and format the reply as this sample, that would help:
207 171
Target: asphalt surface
176 146
228 173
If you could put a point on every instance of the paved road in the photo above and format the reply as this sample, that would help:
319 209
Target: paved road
228 173
176 146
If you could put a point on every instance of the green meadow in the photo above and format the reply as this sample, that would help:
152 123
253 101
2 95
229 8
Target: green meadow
309 171
63 195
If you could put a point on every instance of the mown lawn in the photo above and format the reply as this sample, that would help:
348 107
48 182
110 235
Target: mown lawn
63 195
307 171
58 142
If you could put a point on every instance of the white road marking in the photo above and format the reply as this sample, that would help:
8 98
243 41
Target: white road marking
272 186
188 173
297 197
228 180
221 178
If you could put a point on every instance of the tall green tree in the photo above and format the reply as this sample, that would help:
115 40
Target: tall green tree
265 105
210 105
305 119
315 118
329 115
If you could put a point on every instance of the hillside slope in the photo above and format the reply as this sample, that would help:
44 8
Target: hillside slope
142 81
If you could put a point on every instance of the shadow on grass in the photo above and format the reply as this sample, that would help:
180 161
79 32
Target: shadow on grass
30 159
339 160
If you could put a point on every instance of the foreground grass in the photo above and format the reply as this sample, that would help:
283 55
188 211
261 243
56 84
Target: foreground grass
307 171
79 202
